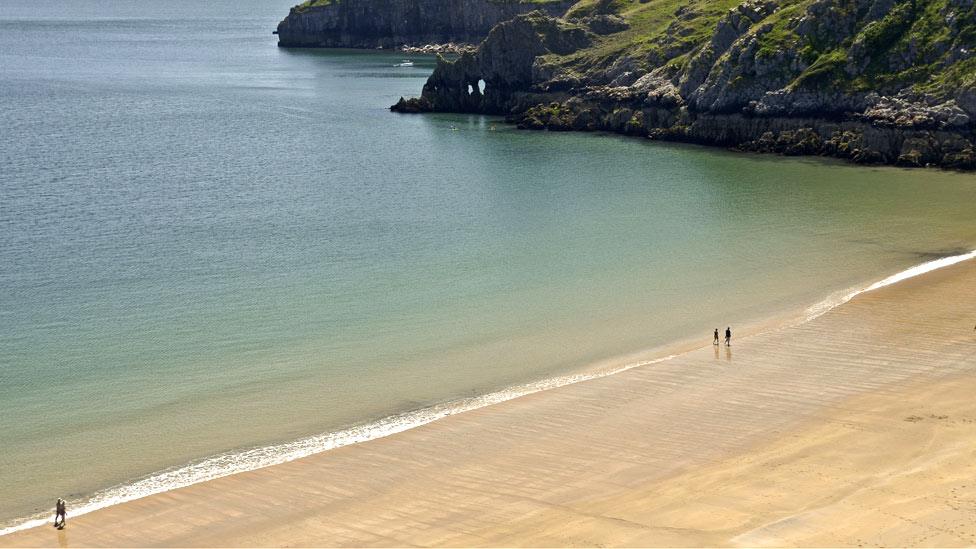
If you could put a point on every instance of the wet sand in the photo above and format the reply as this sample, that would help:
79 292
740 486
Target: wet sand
856 428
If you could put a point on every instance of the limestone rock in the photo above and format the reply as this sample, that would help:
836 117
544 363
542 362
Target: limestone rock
504 65
394 23
605 24
831 77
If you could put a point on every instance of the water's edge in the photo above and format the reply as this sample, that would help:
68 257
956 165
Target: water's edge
230 463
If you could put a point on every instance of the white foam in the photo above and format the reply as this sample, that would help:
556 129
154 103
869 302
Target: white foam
839 298
256 458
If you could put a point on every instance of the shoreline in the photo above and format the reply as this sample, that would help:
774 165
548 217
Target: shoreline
781 136
479 405
250 459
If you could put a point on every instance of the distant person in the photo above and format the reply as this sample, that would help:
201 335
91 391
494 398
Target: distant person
728 336
60 514
715 341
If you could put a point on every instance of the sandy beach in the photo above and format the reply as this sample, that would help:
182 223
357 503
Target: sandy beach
857 428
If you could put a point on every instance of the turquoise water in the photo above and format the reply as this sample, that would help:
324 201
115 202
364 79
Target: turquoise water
209 244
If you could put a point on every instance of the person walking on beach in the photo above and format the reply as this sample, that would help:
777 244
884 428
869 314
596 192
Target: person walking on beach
60 514
728 336
715 341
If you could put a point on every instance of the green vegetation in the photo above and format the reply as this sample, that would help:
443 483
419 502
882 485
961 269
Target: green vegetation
655 33
826 69
840 48
314 4
906 47
881 35
780 37
961 75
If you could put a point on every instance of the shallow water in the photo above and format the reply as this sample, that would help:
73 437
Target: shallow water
208 243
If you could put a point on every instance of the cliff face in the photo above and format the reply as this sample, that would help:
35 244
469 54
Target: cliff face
391 23
869 80
491 79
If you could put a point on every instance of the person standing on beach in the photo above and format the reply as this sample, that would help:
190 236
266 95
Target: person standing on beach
728 336
60 514
715 341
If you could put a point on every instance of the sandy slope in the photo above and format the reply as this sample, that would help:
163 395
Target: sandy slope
857 428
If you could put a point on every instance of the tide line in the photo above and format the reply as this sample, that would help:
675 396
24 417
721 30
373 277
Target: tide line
230 463
257 458
840 298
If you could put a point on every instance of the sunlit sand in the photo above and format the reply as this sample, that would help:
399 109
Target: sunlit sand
856 428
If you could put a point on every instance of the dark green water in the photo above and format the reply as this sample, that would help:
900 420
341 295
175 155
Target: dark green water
209 244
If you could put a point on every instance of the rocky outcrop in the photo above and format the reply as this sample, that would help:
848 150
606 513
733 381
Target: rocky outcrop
437 49
857 140
500 74
394 23
872 81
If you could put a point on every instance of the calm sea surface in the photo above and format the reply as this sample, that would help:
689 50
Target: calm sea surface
209 244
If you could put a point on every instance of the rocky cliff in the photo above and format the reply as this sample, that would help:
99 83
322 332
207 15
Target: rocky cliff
873 81
392 23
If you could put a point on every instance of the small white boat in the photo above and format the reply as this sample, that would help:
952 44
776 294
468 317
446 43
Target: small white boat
404 63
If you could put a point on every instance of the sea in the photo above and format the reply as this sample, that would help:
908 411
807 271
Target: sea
217 254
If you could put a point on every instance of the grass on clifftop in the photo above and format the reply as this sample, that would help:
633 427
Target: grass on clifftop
314 4
908 46
647 40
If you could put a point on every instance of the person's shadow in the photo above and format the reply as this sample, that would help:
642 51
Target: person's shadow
728 353
62 537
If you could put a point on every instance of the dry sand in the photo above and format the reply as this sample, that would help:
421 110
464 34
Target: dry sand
857 428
